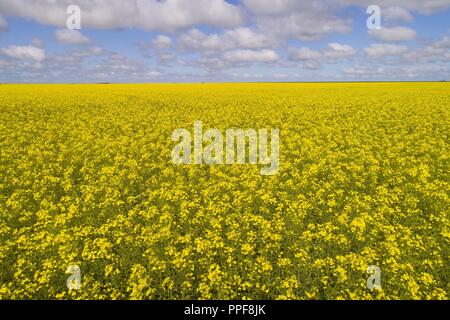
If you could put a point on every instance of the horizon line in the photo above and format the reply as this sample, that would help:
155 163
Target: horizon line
222 82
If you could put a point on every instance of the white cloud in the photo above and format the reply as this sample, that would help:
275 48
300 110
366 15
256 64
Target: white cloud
394 34
281 76
365 71
311 65
75 57
161 42
271 7
154 74
397 14
166 58
246 38
434 52
238 56
417 71
421 6
238 38
25 53
303 20
333 52
5 64
384 50
304 54
303 25
37 65
168 15
113 65
310 20
276 7
254 76
338 51
66 36
195 39
444 43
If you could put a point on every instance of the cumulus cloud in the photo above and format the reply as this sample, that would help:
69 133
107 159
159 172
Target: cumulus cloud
94 64
166 58
154 74
303 20
338 51
271 7
159 47
362 71
243 38
246 38
5 64
438 51
310 59
389 72
275 7
161 42
195 39
247 75
334 51
168 15
397 14
310 20
444 43
303 25
238 56
75 57
385 50
25 53
304 54
66 36
394 34
77 63
421 6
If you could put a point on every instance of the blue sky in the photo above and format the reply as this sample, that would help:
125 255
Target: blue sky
218 40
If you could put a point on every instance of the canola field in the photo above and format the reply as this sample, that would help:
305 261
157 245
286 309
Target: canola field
86 179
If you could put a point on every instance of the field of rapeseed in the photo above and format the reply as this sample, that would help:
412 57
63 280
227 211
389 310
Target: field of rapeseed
86 179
